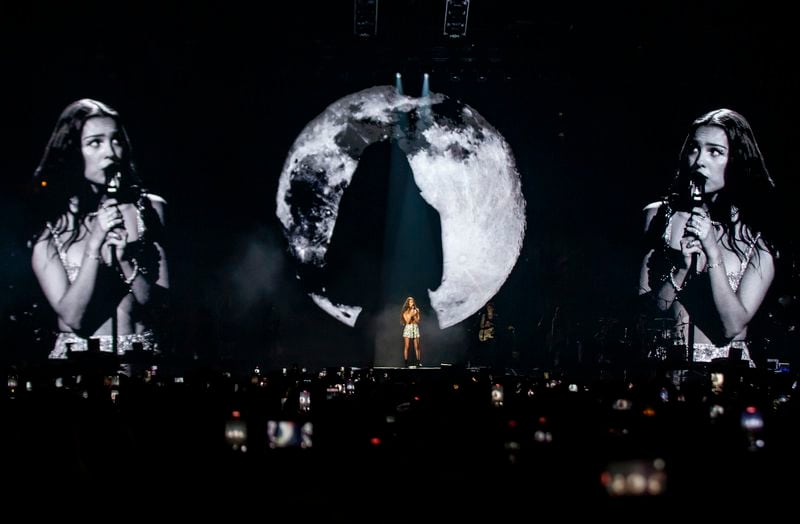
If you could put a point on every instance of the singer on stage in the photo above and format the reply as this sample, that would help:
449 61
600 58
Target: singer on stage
98 241
710 243
410 317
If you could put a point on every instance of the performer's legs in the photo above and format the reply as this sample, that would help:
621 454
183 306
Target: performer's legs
405 351
418 351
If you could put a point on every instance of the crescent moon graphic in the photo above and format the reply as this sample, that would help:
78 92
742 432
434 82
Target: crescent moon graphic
462 166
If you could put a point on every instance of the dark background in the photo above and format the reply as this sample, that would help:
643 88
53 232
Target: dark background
594 102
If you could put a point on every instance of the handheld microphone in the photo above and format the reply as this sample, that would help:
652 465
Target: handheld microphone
114 175
697 185
113 182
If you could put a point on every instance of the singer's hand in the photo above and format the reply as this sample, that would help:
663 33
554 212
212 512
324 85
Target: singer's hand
699 224
108 218
700 237
691 245
114 248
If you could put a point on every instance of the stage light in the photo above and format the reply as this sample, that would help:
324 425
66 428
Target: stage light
456 13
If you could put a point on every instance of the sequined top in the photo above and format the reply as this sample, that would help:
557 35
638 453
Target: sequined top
707 352
73 269
67 343
734 276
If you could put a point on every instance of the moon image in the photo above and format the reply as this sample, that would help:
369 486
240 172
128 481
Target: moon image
462 166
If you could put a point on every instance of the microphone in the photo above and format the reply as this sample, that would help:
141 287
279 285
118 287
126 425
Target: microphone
113 178
113 183
697 187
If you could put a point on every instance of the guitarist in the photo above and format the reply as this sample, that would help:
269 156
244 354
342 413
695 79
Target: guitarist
487 336
487 321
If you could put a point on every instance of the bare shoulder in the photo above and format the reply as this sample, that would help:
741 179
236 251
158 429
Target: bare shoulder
158 203
43 250
653 207
650 211
765 254
156 200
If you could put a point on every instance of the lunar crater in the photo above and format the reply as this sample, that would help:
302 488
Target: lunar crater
463 167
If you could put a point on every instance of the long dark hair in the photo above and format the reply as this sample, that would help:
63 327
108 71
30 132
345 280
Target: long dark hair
59 177
406 307
749 189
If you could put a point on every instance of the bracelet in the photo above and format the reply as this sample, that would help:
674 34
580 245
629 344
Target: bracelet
135 272
712 266
678 288
93 257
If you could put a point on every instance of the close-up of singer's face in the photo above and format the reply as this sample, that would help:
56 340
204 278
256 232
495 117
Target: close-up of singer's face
708 155
101 147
